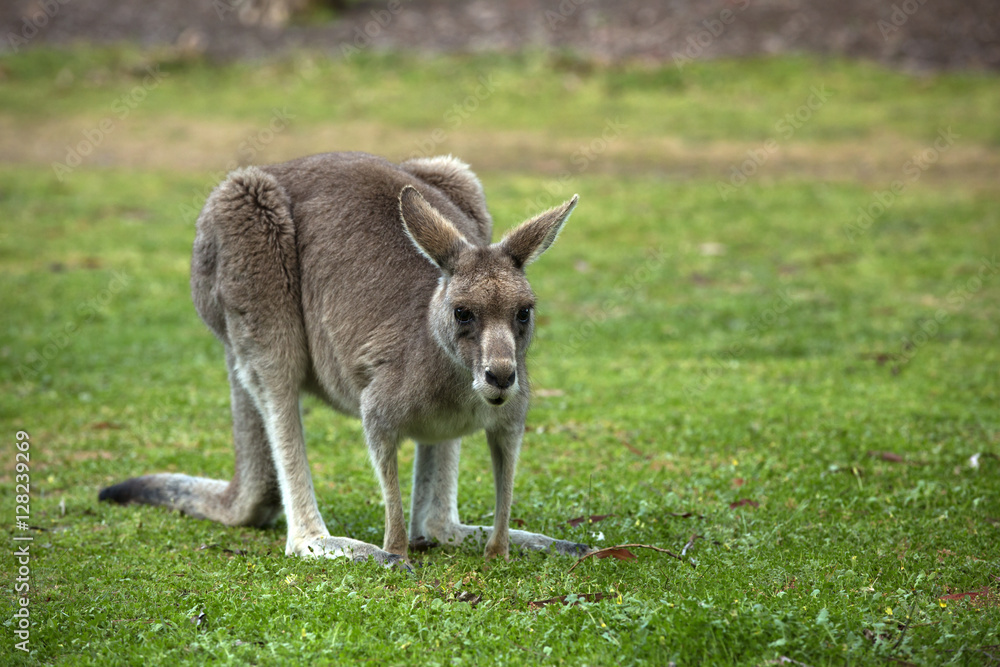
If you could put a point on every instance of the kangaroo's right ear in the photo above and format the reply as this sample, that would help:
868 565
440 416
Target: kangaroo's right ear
437 239
531 238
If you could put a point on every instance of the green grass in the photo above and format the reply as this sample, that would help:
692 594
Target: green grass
680 381
563 96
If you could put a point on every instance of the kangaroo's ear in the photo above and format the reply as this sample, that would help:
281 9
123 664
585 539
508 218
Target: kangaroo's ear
533 237
431 233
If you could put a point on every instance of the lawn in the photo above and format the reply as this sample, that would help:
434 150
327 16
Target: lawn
767 340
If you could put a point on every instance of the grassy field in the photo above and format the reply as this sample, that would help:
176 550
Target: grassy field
767 338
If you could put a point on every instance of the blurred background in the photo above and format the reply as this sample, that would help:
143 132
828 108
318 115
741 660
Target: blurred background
772 321
563 70
913 34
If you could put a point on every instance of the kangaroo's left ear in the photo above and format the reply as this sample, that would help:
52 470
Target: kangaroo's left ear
533 237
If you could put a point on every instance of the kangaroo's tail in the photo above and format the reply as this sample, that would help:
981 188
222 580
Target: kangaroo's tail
198 497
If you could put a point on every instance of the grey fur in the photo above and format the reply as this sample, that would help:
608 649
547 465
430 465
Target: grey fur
340 274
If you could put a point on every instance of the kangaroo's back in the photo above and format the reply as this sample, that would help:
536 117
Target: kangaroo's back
359 193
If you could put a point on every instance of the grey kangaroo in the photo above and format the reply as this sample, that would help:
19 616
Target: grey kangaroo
375 287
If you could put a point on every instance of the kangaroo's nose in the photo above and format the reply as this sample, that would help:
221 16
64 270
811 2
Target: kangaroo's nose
502 381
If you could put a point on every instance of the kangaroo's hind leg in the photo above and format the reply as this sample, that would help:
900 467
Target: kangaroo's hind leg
250 498
251 297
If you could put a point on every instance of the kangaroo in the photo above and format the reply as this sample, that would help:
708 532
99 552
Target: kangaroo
375 287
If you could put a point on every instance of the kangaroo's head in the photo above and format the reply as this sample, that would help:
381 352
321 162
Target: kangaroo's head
483 312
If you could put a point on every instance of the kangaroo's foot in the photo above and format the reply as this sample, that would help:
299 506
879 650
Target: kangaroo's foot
455 534
343 547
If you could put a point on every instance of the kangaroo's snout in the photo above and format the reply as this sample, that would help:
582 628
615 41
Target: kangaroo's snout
501 383
498 381
502 379
497 370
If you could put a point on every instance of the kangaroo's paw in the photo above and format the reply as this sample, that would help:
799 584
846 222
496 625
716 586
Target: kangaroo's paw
564 548
455 534
539 542
344 547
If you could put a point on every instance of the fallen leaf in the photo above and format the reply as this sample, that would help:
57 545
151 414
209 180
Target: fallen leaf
621 552
743 501
972 595
593 518
635 450
891 457
582 597
615 552
738 482
518 522
104 426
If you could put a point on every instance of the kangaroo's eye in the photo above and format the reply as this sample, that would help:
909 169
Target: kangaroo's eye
464 315
524 315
